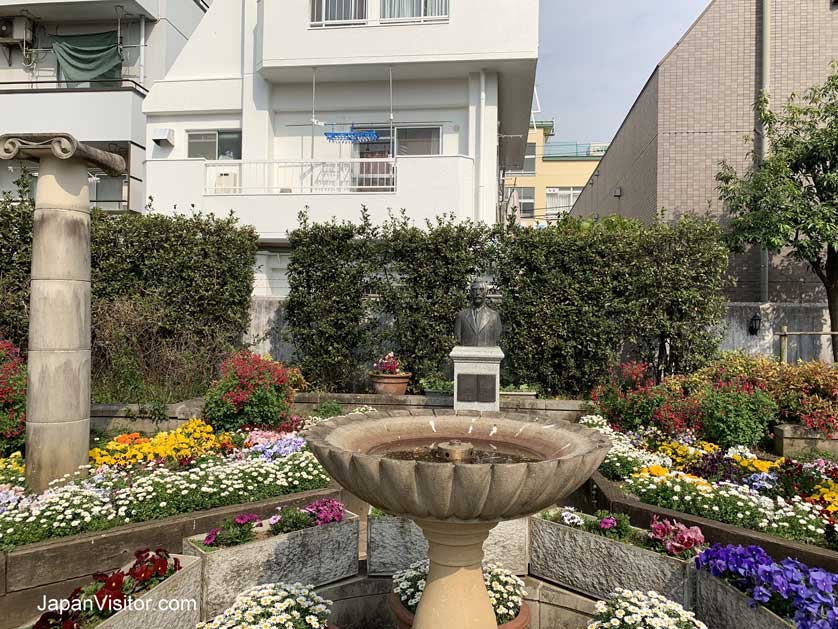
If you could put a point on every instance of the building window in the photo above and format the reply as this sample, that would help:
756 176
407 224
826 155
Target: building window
529 159
561 200
212 145
418 141
413 10
338 12
526 201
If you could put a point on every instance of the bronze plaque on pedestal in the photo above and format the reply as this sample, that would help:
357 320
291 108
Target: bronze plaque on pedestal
476 388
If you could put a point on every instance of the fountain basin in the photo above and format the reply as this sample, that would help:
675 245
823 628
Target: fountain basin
358 451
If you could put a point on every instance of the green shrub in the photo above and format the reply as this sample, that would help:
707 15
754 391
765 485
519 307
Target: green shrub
735 413
437 382
290 519
189 278
613 525
12 400
252 391
327 408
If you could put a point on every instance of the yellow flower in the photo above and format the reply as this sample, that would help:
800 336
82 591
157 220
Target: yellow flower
655 470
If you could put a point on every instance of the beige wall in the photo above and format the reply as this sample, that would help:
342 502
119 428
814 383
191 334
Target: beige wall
697 110
550 173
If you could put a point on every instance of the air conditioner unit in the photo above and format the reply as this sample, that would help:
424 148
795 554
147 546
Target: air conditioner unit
15 30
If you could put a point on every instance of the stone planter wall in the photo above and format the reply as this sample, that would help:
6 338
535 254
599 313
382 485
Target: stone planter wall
605 494
395 543
313 556
54 568
595 565
791 439
719 604
183 588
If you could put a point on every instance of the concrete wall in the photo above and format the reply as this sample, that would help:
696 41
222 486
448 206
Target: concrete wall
629 167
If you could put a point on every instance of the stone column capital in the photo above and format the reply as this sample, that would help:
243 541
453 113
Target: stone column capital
36 146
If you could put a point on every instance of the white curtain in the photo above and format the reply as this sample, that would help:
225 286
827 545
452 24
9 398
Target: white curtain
392 9
436 8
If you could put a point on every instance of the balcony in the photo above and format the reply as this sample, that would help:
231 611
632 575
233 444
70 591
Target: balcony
270 194
46 106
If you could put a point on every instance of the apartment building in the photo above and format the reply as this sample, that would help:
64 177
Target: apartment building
85 68
552 177
332 105
697 109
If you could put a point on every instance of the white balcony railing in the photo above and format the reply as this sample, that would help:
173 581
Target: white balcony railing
309 177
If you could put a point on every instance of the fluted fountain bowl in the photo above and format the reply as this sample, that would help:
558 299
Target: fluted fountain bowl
514 465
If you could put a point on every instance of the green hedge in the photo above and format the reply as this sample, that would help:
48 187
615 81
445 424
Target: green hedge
575 296
168 287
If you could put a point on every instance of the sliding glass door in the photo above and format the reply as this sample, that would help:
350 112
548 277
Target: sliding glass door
398 10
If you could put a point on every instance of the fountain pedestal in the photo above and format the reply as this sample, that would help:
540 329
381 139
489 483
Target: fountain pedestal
476 378
455 594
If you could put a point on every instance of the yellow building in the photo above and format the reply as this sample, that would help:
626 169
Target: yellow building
553 176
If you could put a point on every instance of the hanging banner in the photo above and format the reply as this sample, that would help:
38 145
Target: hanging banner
352 137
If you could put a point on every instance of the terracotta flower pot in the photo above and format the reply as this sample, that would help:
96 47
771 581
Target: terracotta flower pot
390 383
404 619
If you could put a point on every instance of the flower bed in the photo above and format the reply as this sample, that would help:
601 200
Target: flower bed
618 556
393 544
506 593
130 598
806 596
317 544
784 498
275 606
627 609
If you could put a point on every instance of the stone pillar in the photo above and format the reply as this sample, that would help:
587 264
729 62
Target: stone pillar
58 389
476 378
58 386
455 594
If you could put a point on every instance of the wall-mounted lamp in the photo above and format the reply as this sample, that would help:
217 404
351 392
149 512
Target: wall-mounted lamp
755 324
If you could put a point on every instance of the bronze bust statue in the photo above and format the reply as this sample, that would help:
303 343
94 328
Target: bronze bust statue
478 326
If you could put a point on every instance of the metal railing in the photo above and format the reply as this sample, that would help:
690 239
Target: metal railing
395 11
784 335
575 149
301 177
338 12
94 85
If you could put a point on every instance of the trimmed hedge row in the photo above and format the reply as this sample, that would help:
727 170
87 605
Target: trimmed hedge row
574 296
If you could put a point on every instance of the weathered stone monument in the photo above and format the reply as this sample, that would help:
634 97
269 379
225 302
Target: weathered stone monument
58 386
477 355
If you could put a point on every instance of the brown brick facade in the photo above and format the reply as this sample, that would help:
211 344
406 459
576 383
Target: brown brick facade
697 109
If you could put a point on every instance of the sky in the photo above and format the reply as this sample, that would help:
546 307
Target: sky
596 55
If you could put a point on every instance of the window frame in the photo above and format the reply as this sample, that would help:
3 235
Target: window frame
326 23
214 132
394 139
575 192
522 199
424 17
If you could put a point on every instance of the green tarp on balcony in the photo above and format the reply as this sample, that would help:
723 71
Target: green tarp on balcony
88 57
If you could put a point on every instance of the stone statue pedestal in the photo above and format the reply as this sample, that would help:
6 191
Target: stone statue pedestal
476 378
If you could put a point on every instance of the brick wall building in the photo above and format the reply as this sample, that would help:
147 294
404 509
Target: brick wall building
697 109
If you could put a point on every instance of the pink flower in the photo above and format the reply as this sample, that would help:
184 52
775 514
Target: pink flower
209 540
246 518
675 537
607 523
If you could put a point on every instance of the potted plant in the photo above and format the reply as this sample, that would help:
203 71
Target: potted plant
506 591
275 606
387 376
129 598
627 609
316 544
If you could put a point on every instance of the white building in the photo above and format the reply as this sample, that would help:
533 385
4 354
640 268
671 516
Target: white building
275 105
84 67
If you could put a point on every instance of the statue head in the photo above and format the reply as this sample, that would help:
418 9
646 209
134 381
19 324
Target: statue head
477 294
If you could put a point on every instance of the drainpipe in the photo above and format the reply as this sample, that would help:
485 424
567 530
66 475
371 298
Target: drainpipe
481 130
142 50
762 149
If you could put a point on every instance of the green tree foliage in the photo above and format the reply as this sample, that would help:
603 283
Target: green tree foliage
790 200
164 288
574 296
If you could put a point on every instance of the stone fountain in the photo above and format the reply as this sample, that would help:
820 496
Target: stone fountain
457 475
